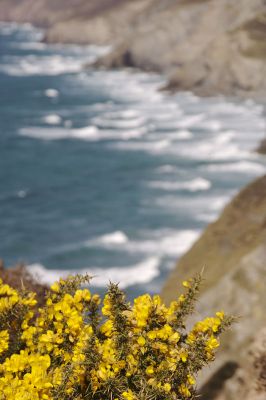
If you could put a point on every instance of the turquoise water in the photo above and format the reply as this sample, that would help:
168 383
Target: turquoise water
101 172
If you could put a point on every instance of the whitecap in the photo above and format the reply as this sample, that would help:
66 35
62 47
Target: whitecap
182 122
52 93
41 65
194 206
22 193
184 134
126 276
190 120
103 122
152 147
52 119
245 167
45 133
114 238
219 148
211 125
123 114
92 133
194 185
88 133
162 243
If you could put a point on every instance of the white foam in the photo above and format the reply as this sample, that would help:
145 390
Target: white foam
123 114
191 120
114 238
52 93
184 134
52 119
88 133
194 185
45 133
165 243
194 206
141 273
162 243
239 167
152 147
103 122
22 193
219 148
41 65
211 125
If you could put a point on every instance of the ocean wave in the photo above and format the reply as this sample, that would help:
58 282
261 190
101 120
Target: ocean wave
166 169
245 167
114 238
211 125
52 119
181 122
183 134
88 133
194 206
126 276
161 243
52 93
194 185
152 147
103 122
45 65
39 46
126 114
222 147
169 244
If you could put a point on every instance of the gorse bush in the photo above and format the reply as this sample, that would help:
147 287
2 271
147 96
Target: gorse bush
76 348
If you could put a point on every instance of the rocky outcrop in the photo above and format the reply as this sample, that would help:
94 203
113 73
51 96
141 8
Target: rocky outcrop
248 381
233 252
207 46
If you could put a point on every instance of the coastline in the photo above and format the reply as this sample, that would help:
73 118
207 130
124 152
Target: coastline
225 56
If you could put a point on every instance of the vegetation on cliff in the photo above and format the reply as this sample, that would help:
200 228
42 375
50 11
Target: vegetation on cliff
74 348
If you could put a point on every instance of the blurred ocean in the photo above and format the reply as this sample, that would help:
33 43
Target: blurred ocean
100 172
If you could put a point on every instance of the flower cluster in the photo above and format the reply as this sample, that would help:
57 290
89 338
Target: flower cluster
76 348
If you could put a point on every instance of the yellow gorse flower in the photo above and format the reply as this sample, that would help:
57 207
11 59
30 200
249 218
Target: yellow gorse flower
72 349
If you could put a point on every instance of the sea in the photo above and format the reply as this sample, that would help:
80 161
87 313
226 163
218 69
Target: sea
101 172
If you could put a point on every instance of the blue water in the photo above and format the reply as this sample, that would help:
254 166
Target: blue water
101 172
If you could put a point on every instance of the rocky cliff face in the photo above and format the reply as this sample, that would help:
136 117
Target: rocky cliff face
248 381
207 46
233 252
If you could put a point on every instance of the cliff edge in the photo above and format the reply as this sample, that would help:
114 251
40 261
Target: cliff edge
233 252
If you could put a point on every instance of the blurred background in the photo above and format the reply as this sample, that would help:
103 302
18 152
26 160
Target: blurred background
125 129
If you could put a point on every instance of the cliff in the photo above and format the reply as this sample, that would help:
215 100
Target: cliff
233 252
207 46
248 380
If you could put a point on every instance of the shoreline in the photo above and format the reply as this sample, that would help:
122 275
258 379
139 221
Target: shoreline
203 47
